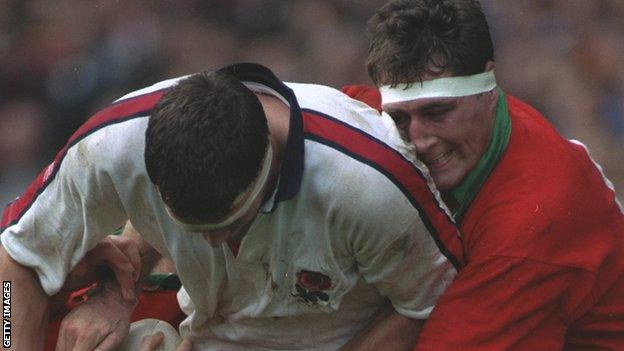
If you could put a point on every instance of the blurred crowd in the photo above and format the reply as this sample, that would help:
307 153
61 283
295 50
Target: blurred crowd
62 60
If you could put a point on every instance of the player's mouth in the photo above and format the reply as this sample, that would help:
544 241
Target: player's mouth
439 161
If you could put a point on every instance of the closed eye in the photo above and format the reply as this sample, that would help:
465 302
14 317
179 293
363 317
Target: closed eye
437 113
401 119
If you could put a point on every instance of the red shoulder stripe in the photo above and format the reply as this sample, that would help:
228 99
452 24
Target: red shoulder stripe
400 171
121 111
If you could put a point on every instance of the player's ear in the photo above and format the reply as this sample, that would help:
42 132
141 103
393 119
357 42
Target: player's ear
492 99
492 95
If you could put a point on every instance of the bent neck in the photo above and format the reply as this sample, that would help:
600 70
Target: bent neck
278 120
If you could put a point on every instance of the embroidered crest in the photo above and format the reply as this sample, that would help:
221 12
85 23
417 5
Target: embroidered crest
310 286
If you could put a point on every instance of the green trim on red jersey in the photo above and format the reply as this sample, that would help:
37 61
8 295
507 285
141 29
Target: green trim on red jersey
465 192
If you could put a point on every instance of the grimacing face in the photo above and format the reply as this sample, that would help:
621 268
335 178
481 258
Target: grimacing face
449 134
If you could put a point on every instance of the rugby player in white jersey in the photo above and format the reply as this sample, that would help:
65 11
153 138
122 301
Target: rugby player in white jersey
272 200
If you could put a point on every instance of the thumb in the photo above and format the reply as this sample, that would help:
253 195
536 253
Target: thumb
151 342
109 343
186 345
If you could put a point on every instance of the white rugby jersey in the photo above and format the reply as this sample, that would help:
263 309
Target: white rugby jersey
351 223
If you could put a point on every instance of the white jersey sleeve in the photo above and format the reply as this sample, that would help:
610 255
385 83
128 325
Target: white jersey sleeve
381 228
397 255
74 207
85 193
75 202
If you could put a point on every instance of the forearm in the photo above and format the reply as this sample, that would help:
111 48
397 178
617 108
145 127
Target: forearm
149 256
388 331
117 259
109 269
29 304
104 319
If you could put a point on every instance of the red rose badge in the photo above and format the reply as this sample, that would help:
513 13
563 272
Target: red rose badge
310 286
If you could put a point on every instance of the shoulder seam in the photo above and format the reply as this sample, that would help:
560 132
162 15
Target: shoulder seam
15 210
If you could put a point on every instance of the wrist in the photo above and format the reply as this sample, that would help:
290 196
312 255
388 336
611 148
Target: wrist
111 291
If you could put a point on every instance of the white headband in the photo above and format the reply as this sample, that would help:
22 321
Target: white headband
440 87
243 207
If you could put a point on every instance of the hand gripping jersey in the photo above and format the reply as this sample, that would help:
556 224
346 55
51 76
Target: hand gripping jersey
352 224
544 241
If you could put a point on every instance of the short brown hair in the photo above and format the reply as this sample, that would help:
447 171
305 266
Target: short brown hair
204 144
408 37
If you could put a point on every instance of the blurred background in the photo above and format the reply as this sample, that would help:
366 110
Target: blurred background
62 60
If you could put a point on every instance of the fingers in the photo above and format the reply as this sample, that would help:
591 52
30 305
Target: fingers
87 343
128 273
123 257
72 339
109 343
186 345
151 342
131 250
66 337
64 341
102 321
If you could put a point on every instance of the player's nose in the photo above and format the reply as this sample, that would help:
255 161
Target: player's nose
420 136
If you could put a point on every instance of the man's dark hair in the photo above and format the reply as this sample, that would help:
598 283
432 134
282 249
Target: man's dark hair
204 145
409 37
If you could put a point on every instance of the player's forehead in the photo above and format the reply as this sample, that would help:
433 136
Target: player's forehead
432 72
418 105
434 90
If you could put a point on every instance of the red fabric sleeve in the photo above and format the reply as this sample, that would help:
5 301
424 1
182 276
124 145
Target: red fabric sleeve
506 303
368 94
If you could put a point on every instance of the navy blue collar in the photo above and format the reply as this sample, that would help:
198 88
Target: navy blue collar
291 170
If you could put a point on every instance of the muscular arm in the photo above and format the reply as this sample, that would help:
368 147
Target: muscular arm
388 331
104 320
29 304
149 256
400 259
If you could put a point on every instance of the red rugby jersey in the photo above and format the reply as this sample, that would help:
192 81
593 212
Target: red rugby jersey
544 241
